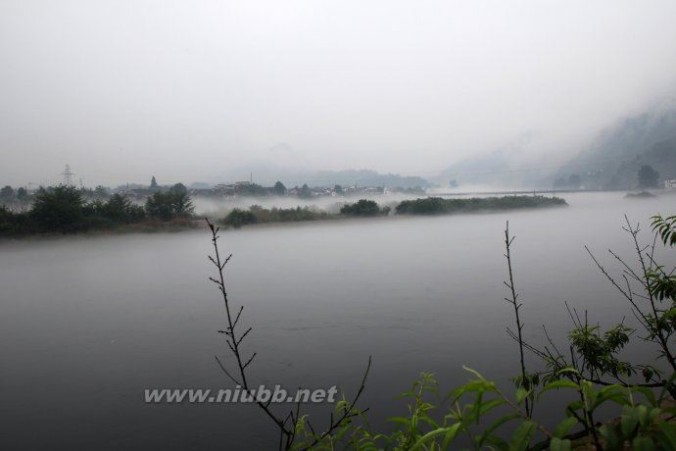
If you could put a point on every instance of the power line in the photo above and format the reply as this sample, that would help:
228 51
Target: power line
68 176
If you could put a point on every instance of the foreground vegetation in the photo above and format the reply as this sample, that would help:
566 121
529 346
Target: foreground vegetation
637 398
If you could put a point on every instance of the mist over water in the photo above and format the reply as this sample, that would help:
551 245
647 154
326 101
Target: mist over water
220 207
89 322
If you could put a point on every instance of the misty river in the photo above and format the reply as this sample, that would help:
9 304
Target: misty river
89 322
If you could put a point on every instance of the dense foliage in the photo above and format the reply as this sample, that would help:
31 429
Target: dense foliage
67 209
12 223
363 207
438 205
175 203
257 214
59 209
279 188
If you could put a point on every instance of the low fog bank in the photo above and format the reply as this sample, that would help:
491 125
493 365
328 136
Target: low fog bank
219 208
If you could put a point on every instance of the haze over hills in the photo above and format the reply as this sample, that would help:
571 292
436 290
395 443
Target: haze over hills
268 174
505 166
610 161
283 163
614 158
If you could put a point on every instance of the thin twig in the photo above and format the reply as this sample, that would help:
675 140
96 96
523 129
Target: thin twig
525 383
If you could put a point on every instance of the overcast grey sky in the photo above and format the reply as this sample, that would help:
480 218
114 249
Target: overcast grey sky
122 90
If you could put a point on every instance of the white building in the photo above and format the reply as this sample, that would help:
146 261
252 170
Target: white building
670 184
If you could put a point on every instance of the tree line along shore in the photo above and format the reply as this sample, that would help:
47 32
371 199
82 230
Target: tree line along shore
65 210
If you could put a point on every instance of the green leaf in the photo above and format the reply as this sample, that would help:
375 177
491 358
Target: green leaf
450 435
494 443
563 427
614 393
475 372
522 436
669 431
561 383
399 420
589 393
490 405
629 421
559 445
430 421
642 444
648 393
487 435
521 394
613 439
447 432
643 415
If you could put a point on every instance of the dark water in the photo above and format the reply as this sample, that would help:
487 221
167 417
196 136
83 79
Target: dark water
88 323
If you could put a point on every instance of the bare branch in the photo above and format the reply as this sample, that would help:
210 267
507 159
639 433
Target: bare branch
227 373
248 362
519 326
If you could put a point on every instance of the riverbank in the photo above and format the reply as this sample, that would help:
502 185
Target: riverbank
257 215
150 226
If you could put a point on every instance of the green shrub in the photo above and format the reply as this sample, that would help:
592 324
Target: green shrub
363 207
59 209
237 218
438 205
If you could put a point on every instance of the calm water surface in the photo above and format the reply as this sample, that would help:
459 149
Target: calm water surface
88 323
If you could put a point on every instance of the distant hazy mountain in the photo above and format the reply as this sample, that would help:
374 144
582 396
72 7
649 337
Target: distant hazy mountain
282 162
365 177
481 170
505 166
613 160
268 174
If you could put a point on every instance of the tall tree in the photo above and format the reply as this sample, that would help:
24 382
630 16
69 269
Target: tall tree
179 188
21 193
59 209
305 191
279 188
6 194
100 192
174 203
